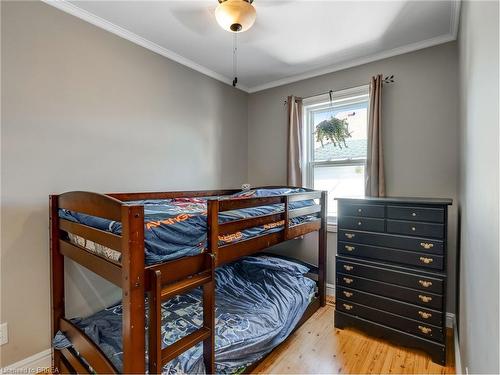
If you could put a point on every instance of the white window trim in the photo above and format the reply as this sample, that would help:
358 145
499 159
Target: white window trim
339 98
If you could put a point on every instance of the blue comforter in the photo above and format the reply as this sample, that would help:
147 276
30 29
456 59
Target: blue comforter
174 228
259 300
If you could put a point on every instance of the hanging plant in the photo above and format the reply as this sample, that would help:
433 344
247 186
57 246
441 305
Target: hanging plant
334 130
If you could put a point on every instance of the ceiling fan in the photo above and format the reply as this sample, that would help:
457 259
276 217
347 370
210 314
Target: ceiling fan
235 16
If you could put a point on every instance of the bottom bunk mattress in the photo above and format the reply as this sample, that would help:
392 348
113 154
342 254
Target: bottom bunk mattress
259 301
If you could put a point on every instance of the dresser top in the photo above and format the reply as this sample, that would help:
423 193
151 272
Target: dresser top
416 200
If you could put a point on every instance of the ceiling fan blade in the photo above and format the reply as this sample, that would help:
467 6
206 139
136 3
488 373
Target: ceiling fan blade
270 3
259 31
198 20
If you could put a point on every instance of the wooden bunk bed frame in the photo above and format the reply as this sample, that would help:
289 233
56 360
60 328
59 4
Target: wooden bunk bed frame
164 280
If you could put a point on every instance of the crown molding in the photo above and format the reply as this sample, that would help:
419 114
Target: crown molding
356 62
448 37
72 9
89 17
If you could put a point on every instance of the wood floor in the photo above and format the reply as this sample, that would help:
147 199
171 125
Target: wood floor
318 348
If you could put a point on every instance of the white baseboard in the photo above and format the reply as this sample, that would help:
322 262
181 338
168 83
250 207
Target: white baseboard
450 320
37 362
330 289
456 344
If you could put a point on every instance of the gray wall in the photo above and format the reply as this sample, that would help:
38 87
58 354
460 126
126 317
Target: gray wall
420 133
146 123
84 109
479 101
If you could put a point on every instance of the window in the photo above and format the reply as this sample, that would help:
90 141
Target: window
337 167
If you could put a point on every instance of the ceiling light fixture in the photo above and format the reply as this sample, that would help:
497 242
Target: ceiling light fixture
235 15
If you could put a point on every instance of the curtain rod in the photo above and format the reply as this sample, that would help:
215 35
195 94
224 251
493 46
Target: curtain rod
386 80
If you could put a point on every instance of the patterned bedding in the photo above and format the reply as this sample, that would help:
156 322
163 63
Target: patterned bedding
259 300
174 228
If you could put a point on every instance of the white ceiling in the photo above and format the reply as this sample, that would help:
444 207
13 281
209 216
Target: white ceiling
291 40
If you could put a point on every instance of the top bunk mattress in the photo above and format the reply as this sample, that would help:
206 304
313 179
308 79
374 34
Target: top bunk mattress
174 228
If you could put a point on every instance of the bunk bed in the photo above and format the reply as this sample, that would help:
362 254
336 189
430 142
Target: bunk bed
119 237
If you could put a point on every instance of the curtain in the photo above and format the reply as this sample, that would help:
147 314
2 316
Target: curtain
375 177
295 142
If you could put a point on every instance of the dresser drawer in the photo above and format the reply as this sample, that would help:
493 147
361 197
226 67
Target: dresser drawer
411 258
422 281
392 320
435 349
435 215
416 297
415 228
364 210
390 240
391 305
361 223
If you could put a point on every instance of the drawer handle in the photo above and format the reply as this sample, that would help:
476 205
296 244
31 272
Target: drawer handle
347 307
360 223
360 210
424 314
425 330
348 280
413 214
426 260
427 245
425 283
348 268
350 235
413 229
349 248
347 294
425 298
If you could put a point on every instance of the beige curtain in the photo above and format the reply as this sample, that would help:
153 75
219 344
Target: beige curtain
374 173
295 142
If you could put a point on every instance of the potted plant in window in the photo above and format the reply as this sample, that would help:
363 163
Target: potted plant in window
334 130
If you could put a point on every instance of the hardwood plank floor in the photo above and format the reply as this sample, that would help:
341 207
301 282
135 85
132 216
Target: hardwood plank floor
318 348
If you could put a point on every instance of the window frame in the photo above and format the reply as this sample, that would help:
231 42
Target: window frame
342 98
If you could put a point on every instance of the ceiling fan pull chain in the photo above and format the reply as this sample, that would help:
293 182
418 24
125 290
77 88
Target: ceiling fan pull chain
235 59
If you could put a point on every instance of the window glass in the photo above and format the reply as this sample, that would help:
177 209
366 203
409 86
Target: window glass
339 181
337 145
355 146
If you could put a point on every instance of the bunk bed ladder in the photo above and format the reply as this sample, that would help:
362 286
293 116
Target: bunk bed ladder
159 356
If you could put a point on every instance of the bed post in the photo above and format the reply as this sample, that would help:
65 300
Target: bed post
287 217
154 332
322 250
133 329
57 276
209 288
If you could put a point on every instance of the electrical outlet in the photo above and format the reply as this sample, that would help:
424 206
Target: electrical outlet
4 334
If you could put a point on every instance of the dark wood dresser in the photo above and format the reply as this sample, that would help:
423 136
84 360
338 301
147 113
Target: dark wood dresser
391 270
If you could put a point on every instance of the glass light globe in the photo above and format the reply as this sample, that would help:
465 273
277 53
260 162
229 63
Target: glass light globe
235 15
